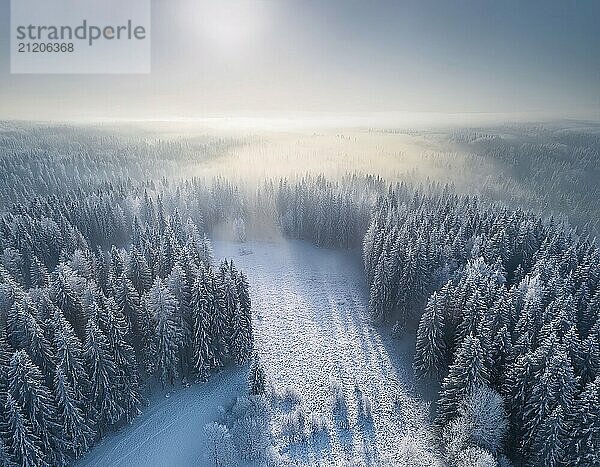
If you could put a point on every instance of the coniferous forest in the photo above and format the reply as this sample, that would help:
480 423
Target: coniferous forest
110 291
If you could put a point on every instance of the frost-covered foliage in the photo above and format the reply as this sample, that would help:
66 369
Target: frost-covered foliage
46 160
484 413
479 430
220 451
251 427
518 311
413 451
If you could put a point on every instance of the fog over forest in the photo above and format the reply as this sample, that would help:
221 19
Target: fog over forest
300 233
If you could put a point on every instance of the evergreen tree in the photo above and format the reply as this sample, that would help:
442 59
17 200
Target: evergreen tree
69 356
551 441
25 445
76 431
28 390
584 429
467 372
138 271
104 395
242 340
201 341
168 334
115 328
257 379
430 355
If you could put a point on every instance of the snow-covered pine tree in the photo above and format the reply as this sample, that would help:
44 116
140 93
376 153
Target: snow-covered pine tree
38 273
205 252
431 354
242 340
257 379
467 372
63 292
162 306
551 441
201 339
115 328
584 427
104 396
177 283
138 272
218 320
556 387
26 386
69 355
76 433
26 447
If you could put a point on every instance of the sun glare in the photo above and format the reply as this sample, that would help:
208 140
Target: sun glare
229 26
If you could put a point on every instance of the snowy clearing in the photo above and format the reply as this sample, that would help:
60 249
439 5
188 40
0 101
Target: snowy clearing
312 331
311 326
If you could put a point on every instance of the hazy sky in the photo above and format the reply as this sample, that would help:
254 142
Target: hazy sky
337 57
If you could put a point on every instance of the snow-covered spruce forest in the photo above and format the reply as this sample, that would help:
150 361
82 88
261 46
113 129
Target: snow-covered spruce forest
110 293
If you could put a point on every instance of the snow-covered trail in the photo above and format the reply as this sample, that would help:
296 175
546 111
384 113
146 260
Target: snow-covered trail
311 325
169 433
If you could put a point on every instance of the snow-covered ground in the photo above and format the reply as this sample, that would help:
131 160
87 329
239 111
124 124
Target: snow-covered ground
311 327
169 432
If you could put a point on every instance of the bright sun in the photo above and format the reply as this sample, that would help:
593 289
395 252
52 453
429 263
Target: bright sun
229 25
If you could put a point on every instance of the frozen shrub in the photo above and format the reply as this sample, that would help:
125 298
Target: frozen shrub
482 423
484 413
251 428
293 426
220 451
475 457
291 395
413 451
456 436
316 424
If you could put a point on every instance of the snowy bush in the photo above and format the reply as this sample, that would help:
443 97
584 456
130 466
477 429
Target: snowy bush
293 426
456 436
291 395
475 457
220 450
485 416
251 428
316 424
413 451
478 432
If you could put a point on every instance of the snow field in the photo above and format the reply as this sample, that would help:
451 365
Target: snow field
326 359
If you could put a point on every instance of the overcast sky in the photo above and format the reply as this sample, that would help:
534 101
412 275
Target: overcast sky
337 57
